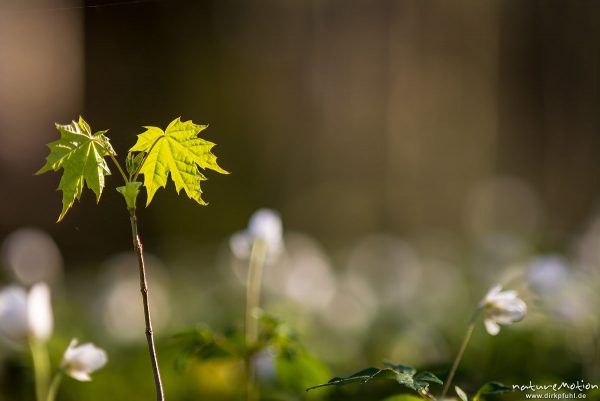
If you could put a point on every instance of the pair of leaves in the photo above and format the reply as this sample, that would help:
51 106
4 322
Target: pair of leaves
177 152
405 375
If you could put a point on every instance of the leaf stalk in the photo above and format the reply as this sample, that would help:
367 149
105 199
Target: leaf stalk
119 168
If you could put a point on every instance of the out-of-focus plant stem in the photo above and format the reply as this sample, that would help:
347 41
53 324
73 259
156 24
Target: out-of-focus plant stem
461 351
253 287
41 368
54 386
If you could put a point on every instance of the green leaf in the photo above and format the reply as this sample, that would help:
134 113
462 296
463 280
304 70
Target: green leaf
362 376
429 377
177 152
81 156
405 375
404 369
461 394
408 376
491 388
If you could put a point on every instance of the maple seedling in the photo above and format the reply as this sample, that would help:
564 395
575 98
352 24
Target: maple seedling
177 152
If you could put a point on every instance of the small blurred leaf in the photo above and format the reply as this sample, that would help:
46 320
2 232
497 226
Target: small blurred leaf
203 344
491 388
272 329
417 382
461 394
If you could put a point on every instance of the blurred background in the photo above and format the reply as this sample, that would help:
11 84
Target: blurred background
418 153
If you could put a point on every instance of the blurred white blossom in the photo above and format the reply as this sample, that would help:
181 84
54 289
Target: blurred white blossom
117 303
80 361
27 267
25 315
264 225
501 307
548 274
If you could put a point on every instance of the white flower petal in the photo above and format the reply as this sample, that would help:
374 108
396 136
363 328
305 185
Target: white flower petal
266 225
510 312
90 356
504 296
39 312
79 375
491 294
491 326
70 351
502 307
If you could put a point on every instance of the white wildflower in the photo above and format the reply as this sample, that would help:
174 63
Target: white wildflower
501 307
80 361
25 315
265 225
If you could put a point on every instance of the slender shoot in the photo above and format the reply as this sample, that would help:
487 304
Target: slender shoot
137 247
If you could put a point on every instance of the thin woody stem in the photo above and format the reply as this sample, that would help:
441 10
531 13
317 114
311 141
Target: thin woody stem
137 246
461 351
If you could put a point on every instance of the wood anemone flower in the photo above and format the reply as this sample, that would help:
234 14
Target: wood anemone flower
501 307
25 315
79 361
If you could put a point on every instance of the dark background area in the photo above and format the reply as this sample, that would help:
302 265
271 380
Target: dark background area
400 108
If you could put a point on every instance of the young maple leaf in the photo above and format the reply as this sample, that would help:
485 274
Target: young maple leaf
179 152
81 156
